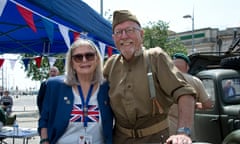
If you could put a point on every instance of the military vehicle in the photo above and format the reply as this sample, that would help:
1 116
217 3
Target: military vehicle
221 123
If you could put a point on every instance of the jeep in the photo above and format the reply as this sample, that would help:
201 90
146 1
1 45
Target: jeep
221 123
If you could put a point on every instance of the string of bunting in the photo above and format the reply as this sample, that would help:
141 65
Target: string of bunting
48 23
37 60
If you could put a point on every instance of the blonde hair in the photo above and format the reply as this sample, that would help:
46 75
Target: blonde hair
71 77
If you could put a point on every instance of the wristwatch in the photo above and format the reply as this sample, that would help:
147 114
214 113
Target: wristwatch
184 130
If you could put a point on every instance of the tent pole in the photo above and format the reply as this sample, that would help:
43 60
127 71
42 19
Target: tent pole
101 7
2 82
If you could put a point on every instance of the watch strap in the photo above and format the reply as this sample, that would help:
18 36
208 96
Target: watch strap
184 130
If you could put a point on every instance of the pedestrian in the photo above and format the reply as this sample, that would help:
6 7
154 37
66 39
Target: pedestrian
141 117
76 106
53 71
203 101
7 101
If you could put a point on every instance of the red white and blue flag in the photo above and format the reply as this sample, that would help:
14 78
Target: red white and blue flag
77 113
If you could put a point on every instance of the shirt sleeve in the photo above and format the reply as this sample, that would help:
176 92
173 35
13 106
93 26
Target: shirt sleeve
170 79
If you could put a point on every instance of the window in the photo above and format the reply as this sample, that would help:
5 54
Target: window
231 90
209 87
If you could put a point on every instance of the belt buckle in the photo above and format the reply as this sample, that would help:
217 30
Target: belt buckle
134 133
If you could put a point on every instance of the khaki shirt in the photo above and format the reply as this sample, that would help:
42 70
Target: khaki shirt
201 96
129 92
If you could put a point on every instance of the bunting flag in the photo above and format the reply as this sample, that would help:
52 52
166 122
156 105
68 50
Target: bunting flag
64 31
26 62
84 35
109 51
76 35
102 47
38 61
12 63
1 62
51 61
2 6
49 29
28 17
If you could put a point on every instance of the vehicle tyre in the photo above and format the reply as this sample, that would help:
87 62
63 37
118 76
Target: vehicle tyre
231 62
232 138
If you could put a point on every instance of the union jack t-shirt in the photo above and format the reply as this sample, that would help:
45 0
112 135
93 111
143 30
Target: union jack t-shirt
76 128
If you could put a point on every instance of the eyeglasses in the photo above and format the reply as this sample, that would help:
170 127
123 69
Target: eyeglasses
90 56
128 31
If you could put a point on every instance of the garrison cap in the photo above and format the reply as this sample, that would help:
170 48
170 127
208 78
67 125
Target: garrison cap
182 56
120 16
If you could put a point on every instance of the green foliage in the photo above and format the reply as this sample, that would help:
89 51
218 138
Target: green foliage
157 34
173 46
40 74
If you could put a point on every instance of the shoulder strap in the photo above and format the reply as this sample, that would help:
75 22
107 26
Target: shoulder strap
150 76
151 85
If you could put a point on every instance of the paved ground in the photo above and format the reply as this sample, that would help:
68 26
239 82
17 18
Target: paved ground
27 116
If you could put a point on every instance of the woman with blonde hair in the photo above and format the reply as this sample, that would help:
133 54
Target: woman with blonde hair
76 108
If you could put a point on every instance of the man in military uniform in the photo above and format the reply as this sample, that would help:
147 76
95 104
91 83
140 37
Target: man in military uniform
139 117
203 101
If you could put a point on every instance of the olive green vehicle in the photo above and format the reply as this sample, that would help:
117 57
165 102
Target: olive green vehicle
221 123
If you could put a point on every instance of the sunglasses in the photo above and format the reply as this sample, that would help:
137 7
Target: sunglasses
90 56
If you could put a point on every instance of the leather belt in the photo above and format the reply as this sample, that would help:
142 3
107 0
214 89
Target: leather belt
137 133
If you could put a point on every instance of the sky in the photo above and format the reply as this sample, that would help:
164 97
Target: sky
219 14
15 76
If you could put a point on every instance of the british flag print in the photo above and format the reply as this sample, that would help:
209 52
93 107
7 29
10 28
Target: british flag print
77 113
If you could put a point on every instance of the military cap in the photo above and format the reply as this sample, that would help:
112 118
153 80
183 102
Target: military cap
120 16
182 56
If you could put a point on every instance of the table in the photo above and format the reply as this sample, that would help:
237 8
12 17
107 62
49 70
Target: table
23 133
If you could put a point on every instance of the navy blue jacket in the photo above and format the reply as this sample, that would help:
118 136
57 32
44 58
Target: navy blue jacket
58 104
40 96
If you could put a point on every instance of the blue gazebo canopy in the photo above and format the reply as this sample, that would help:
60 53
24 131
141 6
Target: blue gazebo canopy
17 37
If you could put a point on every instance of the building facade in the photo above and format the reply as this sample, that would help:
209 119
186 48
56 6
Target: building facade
208 39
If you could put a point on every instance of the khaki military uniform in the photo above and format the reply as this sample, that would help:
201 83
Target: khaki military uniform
201 96
130 98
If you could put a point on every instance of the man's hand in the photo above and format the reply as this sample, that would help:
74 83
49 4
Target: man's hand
179 139
198 105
